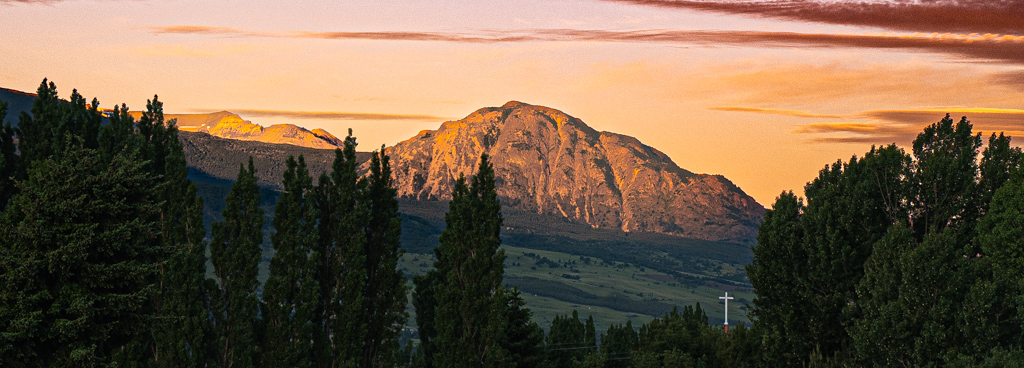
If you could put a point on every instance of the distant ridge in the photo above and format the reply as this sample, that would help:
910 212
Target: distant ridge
225 124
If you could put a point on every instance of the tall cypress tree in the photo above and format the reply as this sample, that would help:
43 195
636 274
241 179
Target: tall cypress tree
291 294
235 254
469 299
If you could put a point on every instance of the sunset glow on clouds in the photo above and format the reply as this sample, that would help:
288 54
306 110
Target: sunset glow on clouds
763 92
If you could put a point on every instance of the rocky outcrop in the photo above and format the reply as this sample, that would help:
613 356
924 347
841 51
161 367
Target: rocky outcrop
225 124
552 163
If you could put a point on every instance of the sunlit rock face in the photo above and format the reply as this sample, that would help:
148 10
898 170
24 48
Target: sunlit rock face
550 162
225 124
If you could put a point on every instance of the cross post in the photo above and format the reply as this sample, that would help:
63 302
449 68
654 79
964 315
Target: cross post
726 298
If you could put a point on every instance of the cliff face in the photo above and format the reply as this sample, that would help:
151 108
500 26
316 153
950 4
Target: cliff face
225 124
549 162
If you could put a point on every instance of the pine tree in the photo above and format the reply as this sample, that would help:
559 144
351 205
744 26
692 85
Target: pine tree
235 254
76 268
291 294
523 339
384 289
471 265
79 244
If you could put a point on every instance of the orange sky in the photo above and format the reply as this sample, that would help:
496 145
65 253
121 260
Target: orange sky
763 92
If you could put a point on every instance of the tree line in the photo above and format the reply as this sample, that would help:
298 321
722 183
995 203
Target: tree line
898 258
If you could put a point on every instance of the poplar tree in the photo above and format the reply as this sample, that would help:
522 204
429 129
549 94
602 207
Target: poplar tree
291 293
184 296
384 289
469 297
235 255
342 217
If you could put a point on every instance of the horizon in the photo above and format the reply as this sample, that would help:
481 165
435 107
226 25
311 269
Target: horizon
762 95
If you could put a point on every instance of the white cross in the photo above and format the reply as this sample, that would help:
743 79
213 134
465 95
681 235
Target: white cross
726 298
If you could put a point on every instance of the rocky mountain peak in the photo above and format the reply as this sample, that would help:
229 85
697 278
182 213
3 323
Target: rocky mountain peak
550 162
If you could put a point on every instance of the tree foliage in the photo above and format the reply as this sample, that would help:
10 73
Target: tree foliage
235 255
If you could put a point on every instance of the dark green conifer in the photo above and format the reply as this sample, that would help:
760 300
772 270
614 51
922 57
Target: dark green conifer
76 257
235 254
182 336
340 203
384 289
469 300
291 294
8 159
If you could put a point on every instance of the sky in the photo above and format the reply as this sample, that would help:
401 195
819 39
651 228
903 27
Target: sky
765 93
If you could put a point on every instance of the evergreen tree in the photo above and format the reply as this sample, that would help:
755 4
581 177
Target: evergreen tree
469 299
291 293
180 338
340 203
80 248
617 345
8 159
424 301
566 340
384 288
235 254
522 338
76 250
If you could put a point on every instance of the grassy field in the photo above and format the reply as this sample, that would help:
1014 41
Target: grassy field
554 283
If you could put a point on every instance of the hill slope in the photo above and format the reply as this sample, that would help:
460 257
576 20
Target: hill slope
552 163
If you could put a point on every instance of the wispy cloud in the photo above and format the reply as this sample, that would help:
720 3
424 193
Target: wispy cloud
1007 48
796 113
860 132
483 37
333 115
961 16
900 126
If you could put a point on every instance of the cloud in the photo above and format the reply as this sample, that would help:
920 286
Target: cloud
959 16
990 117
484 37
1006 48
801 114
333 115
1014 79
900 126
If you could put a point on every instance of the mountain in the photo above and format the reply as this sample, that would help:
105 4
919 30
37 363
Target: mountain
18 102
225 124
548 162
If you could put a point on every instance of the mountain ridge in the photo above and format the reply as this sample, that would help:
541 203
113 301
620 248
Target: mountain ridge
552 163
226 124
